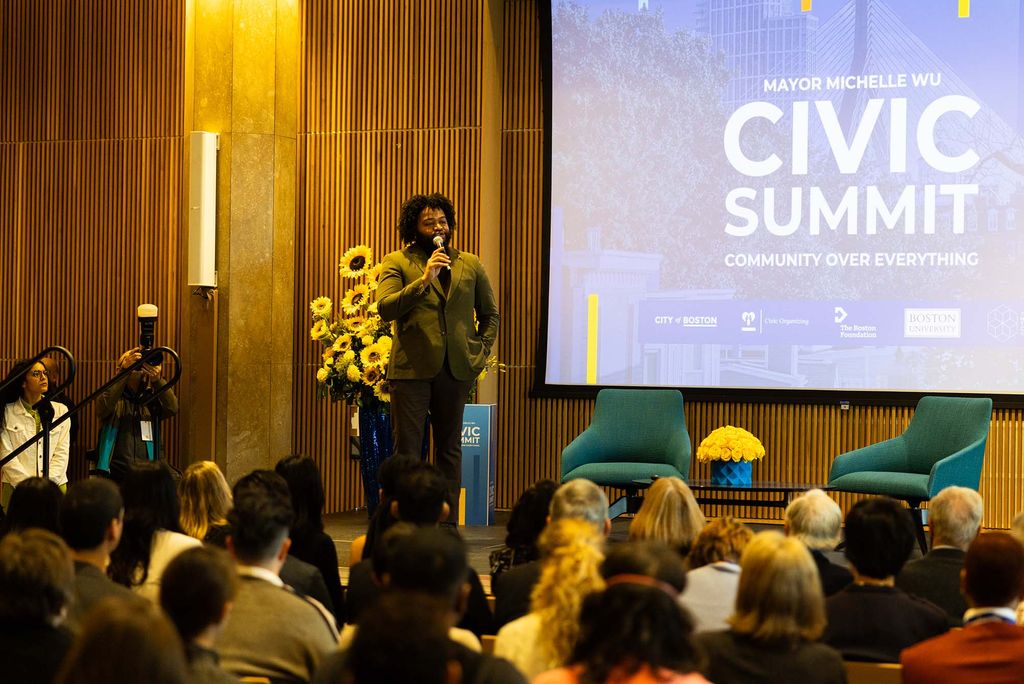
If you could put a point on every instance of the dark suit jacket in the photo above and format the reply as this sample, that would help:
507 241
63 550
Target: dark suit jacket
512 590
306 580
431 325
834 578
876 623
738 659
92 585
936 577
986 653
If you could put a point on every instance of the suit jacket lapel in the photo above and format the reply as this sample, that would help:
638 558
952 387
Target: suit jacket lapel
417 259
457 263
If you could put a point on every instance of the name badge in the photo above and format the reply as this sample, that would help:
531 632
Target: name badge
147 430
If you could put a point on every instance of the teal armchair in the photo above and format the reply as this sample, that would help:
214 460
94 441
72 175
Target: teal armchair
634 435
944 445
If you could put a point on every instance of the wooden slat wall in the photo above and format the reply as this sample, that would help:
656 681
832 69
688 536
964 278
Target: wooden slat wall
91 150
389 108
374 134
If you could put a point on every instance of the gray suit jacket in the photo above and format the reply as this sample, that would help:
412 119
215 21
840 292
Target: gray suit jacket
431 324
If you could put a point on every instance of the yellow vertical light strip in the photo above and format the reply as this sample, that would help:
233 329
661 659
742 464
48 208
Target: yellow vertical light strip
964 9
592 339
805 5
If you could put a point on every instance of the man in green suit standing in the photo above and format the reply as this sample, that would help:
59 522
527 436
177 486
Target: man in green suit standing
445 323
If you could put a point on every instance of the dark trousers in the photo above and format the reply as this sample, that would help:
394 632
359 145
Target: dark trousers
444 398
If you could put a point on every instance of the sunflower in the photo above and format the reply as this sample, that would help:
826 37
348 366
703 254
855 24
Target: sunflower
355 262
329 353
342 343
321 307
373 276
373 374
374 354
353 374
382 390
355 323
355 299
320 330
322 374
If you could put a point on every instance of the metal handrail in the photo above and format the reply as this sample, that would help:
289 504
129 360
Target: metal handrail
44 433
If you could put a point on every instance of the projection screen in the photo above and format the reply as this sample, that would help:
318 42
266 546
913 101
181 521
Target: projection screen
786 195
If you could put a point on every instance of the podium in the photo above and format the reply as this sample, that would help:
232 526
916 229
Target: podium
476 505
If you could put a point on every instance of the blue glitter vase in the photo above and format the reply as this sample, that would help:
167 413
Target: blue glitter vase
375 445
731 473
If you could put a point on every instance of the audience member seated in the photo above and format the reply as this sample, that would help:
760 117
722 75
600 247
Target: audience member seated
272 631
34 503
36 585
544 638
525 523
91 517
634 632
954 516
125 641
421 499
152 536
779 616
714 574
197 592
401 640
299 575
576 499
309 542
990 647
383 551
816 520
1017 530
871 619
205 503
429 562
387 477
669 514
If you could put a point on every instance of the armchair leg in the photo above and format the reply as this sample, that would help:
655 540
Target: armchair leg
918 515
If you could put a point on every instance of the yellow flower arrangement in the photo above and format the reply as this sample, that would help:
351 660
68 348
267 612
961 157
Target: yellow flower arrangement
730 444
356 342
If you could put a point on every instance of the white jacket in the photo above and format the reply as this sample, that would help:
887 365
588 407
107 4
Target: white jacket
19 427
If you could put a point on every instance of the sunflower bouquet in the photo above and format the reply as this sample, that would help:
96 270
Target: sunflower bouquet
730 444
356 342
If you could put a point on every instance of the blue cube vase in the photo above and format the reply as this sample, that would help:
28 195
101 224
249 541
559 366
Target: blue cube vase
731 473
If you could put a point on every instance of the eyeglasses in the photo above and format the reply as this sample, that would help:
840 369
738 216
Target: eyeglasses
39 374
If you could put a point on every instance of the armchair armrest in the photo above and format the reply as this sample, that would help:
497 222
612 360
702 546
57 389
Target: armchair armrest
581 450
887 456
678 452
962 468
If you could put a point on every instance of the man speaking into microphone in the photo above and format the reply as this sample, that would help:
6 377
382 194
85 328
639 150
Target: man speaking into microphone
431 291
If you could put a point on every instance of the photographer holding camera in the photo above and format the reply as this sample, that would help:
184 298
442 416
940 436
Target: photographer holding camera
131 430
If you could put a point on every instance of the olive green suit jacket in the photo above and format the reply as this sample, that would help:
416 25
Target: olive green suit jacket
429 323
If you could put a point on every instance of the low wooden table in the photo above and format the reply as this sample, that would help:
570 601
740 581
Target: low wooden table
781 492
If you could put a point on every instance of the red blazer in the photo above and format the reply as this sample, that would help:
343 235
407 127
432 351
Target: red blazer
986 653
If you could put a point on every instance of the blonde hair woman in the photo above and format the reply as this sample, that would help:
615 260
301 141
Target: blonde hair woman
571 555
669 514
205 500
779 615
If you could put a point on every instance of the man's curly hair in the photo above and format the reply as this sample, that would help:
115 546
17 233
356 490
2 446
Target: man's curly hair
415 205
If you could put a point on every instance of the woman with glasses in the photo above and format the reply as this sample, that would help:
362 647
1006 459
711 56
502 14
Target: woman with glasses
26 412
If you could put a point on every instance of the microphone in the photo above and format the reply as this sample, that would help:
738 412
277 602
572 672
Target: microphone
439 243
